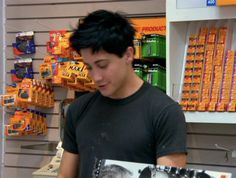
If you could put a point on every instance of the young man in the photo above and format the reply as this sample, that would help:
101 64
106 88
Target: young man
126 119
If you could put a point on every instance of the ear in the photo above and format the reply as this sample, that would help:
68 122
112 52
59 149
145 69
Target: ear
129 55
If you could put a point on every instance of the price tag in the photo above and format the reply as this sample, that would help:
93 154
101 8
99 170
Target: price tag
211 2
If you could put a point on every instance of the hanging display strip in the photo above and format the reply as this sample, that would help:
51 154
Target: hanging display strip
208 81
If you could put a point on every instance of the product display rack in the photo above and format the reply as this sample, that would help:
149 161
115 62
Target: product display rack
183 21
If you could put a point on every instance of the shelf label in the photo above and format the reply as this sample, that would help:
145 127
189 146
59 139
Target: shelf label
211 2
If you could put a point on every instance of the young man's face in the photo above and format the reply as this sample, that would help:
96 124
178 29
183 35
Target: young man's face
108 71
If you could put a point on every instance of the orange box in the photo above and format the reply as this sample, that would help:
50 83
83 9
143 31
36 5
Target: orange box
187 87
202 106
190 57
212 106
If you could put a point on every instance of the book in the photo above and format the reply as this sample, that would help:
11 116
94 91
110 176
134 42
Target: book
107 168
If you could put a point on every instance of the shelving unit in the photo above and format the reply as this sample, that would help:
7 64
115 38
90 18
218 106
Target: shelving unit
183 19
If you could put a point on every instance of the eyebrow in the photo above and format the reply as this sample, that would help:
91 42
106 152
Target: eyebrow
100 60
96 62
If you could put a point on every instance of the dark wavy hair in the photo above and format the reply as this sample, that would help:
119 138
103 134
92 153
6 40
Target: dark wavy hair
103 30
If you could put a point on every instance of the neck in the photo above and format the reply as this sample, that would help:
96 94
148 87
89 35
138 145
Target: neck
132 85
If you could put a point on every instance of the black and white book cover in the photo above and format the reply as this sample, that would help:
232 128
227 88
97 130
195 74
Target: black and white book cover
122 169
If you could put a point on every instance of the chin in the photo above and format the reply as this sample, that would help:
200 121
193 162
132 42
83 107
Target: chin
107 94
104 93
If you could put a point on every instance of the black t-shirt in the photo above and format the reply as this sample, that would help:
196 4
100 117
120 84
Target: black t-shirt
139 128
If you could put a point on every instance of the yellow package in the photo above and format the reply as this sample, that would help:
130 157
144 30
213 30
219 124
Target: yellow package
25 91
64 73
45 71
78 69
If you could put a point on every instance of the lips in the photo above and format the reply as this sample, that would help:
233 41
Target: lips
102 86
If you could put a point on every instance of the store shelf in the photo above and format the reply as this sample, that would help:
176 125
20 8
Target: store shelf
182 21
211 117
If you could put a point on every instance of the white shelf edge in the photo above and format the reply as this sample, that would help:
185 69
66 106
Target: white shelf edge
199 14
211 117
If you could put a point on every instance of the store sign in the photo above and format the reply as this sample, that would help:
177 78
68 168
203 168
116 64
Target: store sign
211 2
152 25
226 2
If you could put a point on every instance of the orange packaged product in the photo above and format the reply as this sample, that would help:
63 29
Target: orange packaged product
65 73
44 124
201 40
194 95
200 49
210 47
206 90
39 94
7 100
220 107
218 62
219 51
191 49
196 79
36 120
44 102
198 64
193 40
19 124
203 30
34 89
208 69
187 79
202 106
10 98
222 35
192 105
197 72
207 76
189 64
199 57
33 122
186 86
190 57
204 97
212 35
212 106
195 87
231 106
185 94
25 91
209 57
188 72
46 96
57 73
46 71
184 104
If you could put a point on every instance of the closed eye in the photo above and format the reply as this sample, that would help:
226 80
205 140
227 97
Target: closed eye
102 66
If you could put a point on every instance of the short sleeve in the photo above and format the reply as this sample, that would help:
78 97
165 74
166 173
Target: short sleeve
69 139
170 131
